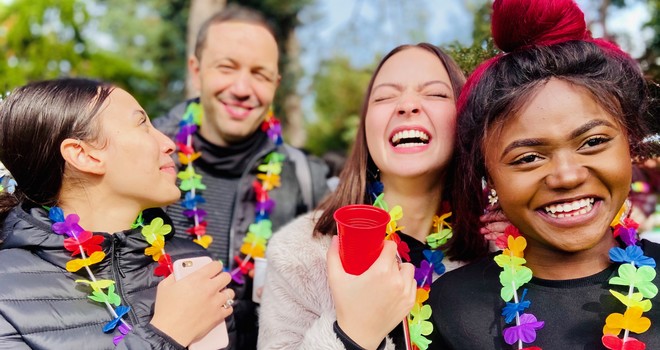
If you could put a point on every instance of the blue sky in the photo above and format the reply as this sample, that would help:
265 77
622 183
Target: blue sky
362 29
446 21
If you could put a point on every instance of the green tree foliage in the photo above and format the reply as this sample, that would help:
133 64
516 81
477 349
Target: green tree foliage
121 41
339 89
482 47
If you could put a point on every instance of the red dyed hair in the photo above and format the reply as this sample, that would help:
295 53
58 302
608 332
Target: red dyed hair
541 40
520 23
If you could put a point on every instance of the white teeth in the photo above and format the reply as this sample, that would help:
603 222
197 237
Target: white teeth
577 207
406 145
410 134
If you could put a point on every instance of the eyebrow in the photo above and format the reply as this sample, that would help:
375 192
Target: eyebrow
574 134
399 86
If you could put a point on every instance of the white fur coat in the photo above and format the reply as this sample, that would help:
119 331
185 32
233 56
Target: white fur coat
297 311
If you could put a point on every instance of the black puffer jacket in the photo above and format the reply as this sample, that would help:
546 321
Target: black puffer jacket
41 306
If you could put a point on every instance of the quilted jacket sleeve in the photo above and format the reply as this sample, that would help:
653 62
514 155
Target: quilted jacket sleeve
9 337
148 338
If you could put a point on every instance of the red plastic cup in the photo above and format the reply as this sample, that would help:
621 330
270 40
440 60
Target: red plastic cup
361 231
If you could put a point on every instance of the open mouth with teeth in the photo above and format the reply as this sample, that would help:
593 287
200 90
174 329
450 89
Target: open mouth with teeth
570 209
409 138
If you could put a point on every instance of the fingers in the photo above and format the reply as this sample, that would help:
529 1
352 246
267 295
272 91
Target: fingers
333 252
209 270
228 294
493 216
388 253
168 281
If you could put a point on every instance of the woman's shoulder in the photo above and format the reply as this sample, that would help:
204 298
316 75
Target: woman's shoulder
295 243
651 249
298 234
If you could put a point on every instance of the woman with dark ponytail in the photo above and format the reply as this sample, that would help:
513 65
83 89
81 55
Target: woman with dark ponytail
82 257
551 126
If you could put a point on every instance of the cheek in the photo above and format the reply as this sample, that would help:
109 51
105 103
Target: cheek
374 128
265 92
214 81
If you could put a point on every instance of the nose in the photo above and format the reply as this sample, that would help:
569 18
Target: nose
166 144
567 172
241 88
408 106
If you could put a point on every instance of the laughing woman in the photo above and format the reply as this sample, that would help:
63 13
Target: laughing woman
403 149
552 125
77 270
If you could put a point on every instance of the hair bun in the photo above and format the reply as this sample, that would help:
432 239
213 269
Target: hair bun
519 23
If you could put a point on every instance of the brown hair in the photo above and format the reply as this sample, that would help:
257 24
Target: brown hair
352 187
34 120
231 13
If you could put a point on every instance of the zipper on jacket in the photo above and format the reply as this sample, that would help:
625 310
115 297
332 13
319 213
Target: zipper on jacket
116 269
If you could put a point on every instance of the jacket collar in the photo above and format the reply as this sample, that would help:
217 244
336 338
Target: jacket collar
29 228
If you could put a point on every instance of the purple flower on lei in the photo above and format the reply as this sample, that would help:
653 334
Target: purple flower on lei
184 132
525 332
424 274
265 206
628 235
69 226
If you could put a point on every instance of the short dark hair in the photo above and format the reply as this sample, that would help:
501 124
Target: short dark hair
231 13
34 120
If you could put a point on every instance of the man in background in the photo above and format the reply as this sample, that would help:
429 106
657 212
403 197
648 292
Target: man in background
235 70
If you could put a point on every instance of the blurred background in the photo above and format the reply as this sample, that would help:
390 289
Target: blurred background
329 48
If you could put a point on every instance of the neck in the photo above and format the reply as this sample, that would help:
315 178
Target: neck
552 264
419 199
99 212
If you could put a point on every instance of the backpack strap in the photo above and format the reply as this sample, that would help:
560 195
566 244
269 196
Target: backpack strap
303 174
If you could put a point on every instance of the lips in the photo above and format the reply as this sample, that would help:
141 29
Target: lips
409 137
237 111
169 168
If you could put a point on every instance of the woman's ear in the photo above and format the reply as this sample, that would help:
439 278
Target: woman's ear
82 156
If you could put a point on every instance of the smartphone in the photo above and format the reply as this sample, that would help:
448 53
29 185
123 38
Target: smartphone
217 338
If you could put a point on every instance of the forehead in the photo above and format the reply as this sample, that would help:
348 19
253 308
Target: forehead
118 104
555 110
412 65
241 40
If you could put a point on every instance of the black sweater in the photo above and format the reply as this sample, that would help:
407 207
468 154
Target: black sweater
467 309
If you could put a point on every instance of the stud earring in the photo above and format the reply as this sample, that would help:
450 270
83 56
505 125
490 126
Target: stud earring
492 197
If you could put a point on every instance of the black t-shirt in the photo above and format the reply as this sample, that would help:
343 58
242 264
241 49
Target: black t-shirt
467 309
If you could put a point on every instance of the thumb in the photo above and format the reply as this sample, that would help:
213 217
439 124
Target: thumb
168 281
332 256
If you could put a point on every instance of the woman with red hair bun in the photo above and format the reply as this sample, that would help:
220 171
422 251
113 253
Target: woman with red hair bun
552 126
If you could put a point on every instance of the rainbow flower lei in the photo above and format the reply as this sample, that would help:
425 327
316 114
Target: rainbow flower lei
88 246
636 272
256 239
419 325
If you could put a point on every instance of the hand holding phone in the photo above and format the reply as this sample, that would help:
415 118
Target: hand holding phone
217 338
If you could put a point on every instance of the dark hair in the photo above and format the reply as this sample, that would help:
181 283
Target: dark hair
499 87
231 13
34 120
353 178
